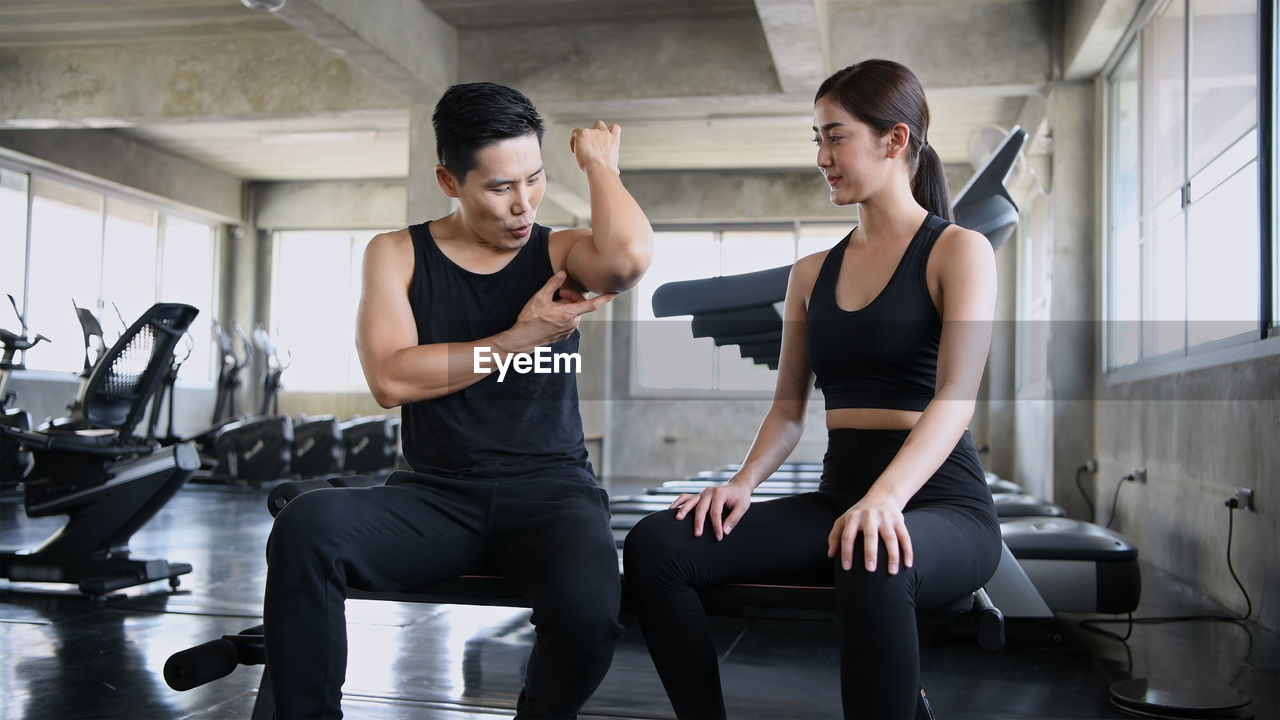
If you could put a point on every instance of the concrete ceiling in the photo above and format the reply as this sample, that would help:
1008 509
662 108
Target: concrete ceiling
324 89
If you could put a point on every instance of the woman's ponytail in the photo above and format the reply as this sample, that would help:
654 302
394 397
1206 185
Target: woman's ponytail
929 185
883 93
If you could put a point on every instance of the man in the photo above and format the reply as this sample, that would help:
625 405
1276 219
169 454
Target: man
457 325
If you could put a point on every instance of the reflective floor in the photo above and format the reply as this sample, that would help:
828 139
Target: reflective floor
65 656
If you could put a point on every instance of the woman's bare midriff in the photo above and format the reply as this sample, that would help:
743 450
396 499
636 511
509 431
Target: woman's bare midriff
872 419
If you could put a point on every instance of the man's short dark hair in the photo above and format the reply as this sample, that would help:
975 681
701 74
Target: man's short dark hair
472 116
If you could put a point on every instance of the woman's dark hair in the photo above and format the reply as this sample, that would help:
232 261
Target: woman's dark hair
473 115
883 93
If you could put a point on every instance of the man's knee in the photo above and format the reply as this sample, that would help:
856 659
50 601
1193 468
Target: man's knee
583 616
306 523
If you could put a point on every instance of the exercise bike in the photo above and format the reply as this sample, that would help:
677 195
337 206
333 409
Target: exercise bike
91 467
165 397
14 461
249 450
317 439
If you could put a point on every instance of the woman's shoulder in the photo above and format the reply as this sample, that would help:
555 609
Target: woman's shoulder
962 255
804 274
957 239
808 266
960 246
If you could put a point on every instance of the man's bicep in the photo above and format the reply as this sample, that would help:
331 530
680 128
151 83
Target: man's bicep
573 252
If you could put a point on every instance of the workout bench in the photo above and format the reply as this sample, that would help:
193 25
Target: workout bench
209 661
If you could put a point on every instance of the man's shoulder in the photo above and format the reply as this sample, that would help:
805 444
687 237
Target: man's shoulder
393 238
391 245
390 255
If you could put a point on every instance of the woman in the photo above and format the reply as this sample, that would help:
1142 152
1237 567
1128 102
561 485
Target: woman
894 322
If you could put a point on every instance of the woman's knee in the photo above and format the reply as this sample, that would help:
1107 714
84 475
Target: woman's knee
862 587
655 545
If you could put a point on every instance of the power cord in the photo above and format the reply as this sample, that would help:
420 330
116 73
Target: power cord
1089 466
1232 504
1115 497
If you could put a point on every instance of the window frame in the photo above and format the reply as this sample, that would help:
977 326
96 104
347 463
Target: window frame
1264 341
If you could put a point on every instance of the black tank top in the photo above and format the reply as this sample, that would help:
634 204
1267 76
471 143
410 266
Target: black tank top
884 355
526 426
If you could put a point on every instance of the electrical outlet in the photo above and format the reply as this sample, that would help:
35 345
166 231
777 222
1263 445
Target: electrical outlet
1137 475
1244 496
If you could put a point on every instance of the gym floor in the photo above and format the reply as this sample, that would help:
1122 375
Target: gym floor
66 656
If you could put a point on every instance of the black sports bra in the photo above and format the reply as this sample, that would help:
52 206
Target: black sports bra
884 355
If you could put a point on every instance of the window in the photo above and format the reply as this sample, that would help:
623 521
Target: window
668 357
188 253
315 290
89 247
1183 242
65 266
13 239
1271 96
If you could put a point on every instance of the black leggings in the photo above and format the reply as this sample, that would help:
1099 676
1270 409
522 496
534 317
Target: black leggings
550 537
954 535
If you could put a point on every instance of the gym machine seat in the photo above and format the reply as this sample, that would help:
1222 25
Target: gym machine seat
91 467
317 446
370 444
253 450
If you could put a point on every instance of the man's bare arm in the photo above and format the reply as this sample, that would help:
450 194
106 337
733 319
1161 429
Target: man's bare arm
399 370
614 254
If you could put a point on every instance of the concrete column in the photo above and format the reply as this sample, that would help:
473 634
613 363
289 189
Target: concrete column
993 419
1072 349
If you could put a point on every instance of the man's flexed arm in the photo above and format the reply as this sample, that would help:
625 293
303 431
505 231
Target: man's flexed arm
616 251
399 370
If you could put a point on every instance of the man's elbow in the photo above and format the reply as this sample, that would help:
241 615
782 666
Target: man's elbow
625 271
387 395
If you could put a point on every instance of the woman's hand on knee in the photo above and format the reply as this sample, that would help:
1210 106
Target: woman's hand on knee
713 502
877 521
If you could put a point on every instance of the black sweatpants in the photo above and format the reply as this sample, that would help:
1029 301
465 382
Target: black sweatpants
955 537
550 537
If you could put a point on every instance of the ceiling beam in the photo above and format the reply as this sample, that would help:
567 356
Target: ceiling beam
623 61
1091 31
796 31
403 44
125 84
950 46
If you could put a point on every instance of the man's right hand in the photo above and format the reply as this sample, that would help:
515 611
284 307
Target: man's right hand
545 319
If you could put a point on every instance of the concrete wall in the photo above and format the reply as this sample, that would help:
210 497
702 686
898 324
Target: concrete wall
1201 434
330 205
